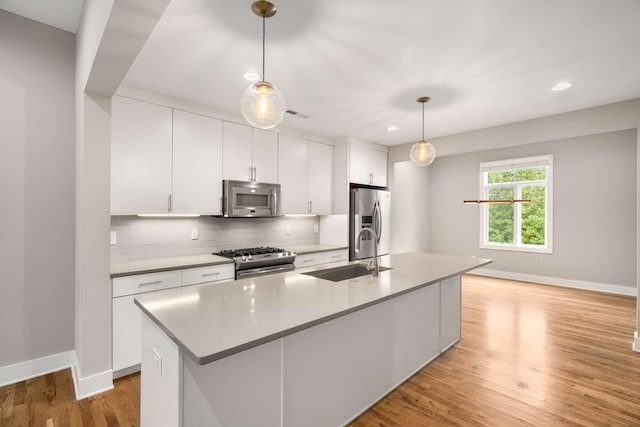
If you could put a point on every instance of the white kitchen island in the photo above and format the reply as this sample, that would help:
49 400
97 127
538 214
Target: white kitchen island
293 350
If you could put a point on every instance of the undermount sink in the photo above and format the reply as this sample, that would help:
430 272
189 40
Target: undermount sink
338 274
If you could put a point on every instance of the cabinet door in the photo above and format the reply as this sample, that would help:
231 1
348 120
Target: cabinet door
320 177
197 164
236 151
293 174
359 164
265 156
450 312
378 167
126 322
140 157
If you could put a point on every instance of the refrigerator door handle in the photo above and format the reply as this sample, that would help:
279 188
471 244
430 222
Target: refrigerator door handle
377 220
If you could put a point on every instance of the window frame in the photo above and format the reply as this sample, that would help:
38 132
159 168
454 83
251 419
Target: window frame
517 163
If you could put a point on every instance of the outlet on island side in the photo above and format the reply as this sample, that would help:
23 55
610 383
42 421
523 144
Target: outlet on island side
287 229
194 234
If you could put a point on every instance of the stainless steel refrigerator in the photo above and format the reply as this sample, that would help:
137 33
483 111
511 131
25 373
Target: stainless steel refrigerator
369 208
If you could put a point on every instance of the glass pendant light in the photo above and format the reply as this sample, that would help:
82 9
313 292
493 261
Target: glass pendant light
423 153
262 104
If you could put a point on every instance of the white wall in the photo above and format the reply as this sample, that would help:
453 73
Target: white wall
409 185
594 207
36 183
110 35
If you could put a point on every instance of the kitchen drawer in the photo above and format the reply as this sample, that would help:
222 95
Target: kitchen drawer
213 273
308 260
140 283
334 256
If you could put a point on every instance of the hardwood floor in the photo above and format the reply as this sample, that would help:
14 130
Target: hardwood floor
530 355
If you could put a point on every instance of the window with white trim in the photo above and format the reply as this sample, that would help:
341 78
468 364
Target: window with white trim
517 226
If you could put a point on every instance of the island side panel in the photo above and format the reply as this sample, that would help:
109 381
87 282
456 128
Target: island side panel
451 312
160 382
336 370
240 390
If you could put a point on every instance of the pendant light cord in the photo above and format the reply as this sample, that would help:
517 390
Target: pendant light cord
423 121
263 37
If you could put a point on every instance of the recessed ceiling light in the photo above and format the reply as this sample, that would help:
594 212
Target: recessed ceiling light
251 76
392 128
560 86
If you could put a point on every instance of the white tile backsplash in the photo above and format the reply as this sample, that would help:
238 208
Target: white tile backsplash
144 238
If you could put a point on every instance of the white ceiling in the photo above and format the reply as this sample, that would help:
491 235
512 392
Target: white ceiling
63 14
356 67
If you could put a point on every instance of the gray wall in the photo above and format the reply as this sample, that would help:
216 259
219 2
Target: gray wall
143 238
409 187
37 186
594 209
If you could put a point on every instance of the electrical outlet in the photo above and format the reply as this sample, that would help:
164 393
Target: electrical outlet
194 234
157 361
315 228
287 229
112 238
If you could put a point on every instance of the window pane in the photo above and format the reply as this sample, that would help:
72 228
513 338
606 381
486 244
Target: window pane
531 174
500 216
500 176
533 215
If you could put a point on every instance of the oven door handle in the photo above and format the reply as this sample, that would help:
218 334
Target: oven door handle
264 270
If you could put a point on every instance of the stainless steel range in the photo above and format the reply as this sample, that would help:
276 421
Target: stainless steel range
252 262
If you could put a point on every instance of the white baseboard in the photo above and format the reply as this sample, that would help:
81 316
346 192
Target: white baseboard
567 283
34 368
91 385
636 342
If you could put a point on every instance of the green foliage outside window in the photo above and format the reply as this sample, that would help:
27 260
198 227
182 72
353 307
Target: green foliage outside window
501 221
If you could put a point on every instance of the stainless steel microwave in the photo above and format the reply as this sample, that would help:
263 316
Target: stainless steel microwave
247 199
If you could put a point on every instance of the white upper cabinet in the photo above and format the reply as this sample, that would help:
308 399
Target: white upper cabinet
378 167
305 175
359 163
141 157
367 165
265 156
320 177
249 154
197 164
293 174
164 160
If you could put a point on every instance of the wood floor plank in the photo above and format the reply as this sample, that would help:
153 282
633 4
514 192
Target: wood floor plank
531 355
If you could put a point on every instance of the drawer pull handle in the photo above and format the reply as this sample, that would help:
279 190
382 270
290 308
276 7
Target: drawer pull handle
217 273
336 256
157 282
308 260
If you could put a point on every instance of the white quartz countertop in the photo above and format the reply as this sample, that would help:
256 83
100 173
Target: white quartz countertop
163 264
210 322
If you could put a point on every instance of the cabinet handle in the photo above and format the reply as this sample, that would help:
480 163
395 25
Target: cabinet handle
255 174
370 178
170 202
310 206
308 260
157 282
217 273
336 256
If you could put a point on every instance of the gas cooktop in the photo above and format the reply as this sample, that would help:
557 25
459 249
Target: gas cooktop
231 253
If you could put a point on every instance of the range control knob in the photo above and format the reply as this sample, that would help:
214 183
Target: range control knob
244 258
249 256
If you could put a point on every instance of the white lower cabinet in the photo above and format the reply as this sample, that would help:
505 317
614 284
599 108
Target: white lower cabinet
335 256
194 276
127 317
307 260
